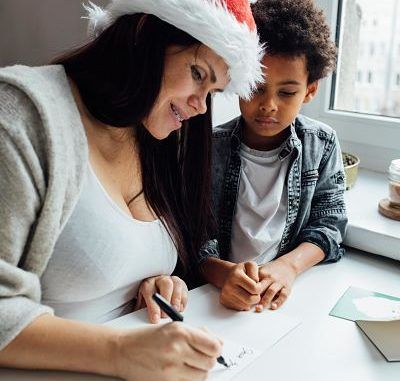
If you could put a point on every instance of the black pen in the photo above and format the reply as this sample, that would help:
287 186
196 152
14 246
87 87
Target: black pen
176 316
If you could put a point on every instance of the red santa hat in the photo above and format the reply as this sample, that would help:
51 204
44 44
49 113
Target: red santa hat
225 26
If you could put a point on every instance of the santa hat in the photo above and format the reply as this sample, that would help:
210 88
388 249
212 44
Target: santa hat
225 26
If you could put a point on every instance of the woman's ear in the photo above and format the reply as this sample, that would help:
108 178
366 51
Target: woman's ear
312 89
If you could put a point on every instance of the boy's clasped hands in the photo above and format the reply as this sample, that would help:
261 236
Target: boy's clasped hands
248 285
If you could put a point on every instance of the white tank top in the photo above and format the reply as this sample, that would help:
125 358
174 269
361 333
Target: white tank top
101 257
261 208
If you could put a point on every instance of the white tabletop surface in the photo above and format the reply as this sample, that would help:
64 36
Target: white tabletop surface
322 347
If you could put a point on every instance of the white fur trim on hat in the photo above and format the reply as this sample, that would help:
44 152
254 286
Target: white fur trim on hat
208 21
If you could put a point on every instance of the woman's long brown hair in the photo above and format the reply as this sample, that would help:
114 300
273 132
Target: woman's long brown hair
119 77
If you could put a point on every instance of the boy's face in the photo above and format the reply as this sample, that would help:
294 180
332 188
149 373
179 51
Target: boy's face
277 102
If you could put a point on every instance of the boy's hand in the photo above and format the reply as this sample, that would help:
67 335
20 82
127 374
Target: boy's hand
277 278
241 289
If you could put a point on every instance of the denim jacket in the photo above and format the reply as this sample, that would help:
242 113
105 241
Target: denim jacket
315 185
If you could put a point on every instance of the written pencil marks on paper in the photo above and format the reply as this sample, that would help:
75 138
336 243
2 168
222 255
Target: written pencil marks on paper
237 357
235 361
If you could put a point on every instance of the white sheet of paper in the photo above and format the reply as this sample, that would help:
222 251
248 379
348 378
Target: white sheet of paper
259 331
246 335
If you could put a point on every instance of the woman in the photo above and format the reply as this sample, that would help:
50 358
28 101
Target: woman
102 191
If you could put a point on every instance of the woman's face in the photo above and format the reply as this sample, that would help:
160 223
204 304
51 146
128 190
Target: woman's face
190 74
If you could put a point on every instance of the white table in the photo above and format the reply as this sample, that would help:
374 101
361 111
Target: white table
322 347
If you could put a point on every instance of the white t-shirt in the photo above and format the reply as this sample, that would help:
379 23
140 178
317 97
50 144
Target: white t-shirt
261 207
101 257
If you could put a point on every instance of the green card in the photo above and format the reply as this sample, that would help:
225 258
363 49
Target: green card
360 304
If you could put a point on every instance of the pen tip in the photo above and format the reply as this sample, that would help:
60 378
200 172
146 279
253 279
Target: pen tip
222 361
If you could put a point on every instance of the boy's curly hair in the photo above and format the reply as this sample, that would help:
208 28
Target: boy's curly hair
296 27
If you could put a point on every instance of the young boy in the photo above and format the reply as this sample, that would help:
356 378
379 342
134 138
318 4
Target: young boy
278 176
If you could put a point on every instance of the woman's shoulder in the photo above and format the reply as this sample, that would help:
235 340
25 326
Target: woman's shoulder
39 100
31 80
28 76
40 122
14 105
23 90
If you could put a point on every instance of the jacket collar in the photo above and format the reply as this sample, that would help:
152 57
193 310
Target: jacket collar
291 143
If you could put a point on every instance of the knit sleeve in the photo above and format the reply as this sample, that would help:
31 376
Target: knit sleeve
22 189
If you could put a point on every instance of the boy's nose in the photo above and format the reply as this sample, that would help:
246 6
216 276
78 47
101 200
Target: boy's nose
268 105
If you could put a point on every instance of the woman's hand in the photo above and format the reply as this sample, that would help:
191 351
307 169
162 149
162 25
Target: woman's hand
277 278
172 288
169 352
241 289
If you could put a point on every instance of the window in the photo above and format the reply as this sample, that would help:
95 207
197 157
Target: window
361 50
383 48
361 100
369 77
378 31
371 49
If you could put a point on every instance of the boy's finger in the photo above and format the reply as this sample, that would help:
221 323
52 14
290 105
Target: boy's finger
283 295
264 284
251 269
248 284
259 308
270 293
243 300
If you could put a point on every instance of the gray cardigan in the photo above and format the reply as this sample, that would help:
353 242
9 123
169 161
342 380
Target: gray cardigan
43 156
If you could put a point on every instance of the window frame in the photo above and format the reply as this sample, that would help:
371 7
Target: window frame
375 139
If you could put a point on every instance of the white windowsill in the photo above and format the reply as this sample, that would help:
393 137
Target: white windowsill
368 230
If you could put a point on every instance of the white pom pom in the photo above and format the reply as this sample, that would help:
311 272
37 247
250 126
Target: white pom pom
99 19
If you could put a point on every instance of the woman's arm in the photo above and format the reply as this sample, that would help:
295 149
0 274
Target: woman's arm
166 352
53 343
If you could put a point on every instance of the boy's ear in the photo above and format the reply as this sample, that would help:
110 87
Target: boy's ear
312 89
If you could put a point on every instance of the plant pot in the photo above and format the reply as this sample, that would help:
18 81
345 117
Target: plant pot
350 163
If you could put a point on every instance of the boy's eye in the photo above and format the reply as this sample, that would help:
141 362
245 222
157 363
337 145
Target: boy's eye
196 73
259 90
287 93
